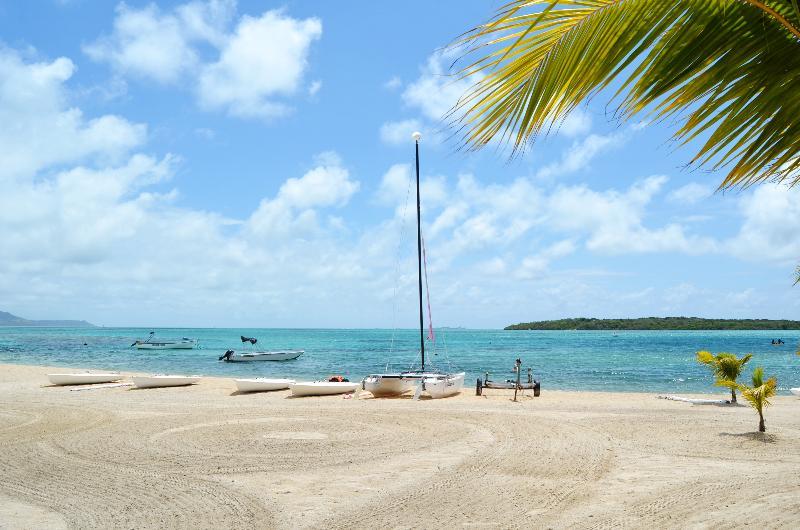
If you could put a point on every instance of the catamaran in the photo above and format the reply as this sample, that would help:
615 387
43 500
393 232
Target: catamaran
436 383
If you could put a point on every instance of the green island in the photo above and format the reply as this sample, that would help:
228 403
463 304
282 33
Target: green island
658 323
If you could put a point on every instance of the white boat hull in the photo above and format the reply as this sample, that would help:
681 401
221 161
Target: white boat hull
262 384
83 379
442 387
180 345
322 388
436 385
157 381
795 391
286 355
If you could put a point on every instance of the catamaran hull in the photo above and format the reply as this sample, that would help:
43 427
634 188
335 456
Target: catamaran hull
445 386
287 355
166 345
436 385
158 381
380 386
262 384
82 379
322 388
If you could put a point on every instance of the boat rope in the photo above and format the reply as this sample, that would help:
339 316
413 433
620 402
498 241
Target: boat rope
397 268
431 334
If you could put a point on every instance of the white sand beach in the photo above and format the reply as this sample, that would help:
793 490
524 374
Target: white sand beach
205 457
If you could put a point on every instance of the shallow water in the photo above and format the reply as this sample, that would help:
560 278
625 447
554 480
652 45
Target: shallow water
638 361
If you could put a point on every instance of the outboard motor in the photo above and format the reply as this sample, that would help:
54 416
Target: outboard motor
227 356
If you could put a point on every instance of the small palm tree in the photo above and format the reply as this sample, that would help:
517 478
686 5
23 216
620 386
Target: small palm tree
758 395
726 367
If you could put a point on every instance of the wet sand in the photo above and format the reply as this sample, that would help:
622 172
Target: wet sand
206 457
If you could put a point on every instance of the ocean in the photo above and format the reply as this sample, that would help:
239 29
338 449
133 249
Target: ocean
626 361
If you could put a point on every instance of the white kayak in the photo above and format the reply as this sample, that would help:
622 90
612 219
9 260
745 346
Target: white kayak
84 378
262 384
243 357
322 388
156 381
795 391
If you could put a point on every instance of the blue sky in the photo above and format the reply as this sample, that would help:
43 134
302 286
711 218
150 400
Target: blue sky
247 164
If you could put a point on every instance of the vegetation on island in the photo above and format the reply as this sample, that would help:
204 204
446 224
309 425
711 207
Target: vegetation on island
726 368
656 323
759 393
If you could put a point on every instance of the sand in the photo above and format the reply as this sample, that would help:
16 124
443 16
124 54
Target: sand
205 457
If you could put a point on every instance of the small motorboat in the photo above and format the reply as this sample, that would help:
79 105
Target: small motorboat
85 378
795 391
323 388
150 343
157 381
231 356
262 384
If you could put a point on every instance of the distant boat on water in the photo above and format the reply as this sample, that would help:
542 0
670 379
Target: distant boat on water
150 343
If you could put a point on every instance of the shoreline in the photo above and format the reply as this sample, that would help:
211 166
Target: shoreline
206 456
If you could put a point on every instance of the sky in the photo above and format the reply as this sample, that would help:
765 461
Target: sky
248 164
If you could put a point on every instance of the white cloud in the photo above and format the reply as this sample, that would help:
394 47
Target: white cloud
614 220
265 56
393 83
259 61
41 129
293 210
771 225
577 123
580 154
534 266
690 194
435 92
314 87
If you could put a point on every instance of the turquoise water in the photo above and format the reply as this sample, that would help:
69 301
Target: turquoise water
636 361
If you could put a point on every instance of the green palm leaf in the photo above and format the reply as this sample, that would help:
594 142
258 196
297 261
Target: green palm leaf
727 70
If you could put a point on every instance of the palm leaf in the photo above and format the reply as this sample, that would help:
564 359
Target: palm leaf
727 70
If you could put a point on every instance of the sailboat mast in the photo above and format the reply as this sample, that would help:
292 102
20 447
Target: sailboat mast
416 137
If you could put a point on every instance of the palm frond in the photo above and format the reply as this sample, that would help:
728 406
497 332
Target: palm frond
729 70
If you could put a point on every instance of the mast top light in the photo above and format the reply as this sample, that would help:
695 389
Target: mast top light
416 136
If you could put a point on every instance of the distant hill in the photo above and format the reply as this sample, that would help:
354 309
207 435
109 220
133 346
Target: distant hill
7 319
654 323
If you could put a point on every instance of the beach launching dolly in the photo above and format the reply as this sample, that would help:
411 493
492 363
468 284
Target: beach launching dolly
517 385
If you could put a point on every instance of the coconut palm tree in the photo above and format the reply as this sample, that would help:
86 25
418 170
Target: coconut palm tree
758 395
726 71
726 367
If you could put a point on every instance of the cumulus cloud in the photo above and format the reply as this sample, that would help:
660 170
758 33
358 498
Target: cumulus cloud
260 60
435 92
293 210
577 123
399 132
265 56
771 224
41 129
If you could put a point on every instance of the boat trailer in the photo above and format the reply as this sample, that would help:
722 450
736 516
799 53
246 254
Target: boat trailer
517 385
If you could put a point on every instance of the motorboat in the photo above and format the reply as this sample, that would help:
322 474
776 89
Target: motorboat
436 383
150 343
231 356
84 378
157 381
246 356
322 388
262 384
